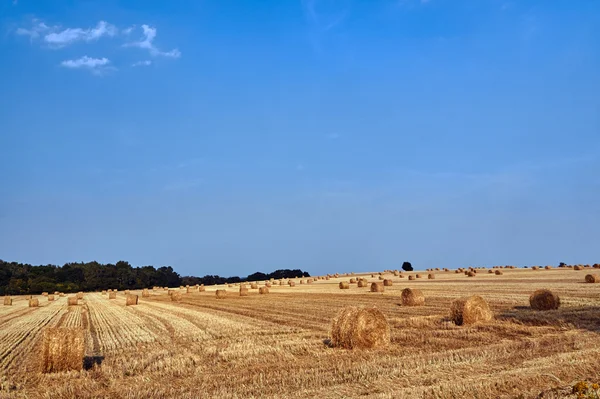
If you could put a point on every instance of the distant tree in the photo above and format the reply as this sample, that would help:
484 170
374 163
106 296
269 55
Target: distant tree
407 267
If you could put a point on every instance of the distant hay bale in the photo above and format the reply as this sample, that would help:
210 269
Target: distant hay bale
176 296
220 294
72 300
201 289
7 300
28 297
103 292
145 293
490 271
418 276
63 349
268 284
243 291
470 310
498 272
548 267
301 281
360 328
457 271
80 295
50 298
126 292
592 278
471 273
62 294
281 283
387 282
344 285
56 293
361 283
411 277
377 287
596 266
309 281
352 281
431 276
381 278
412 297
372 275
291 283
131 299
544 300
577 267
263 290
534 268
34 303
112 295
44 294
189 290
253 286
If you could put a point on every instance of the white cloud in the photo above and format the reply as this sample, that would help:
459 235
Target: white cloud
147 44
36 30
142 63
128 31
72 35
96 65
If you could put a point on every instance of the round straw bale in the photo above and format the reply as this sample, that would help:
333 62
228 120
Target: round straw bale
176 297
490 271
431 276
592 278
243 291
63 349
50 298
301 281
131 299
387 282
220 294
263 290
470 310
344 285
112 295
498 272
377 287
544 300
201 289
471 274
381 278
44 294
80 295
145 293
253 286
578 267
457 271
418 276
411 277
34 303
72 300
548 267
361 283
7 300
360 328
291 283
352 281
412 297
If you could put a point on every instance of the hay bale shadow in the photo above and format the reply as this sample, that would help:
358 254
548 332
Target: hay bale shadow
581 317
90 361
328 343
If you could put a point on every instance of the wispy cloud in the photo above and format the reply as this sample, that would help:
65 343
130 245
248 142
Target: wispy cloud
96 65
71 35
38 28
142 63
147 43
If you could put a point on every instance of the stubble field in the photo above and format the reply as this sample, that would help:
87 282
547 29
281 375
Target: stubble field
277 345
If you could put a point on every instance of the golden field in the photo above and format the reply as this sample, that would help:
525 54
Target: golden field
277 345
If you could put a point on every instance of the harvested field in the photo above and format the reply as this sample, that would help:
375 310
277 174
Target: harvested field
279 345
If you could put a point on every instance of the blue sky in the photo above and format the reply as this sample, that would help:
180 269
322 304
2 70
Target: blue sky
226 137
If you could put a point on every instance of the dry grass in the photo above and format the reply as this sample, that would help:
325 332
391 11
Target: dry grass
278 345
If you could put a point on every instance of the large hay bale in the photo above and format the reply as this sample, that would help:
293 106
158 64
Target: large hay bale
362 283
72 300
470 310
387 282
377 287
431 276
63 349
592 278
578 267
544 300
344 285
352 281
358 328
50 298
34 303
471 273
112 295
263 290
412 297
80 295
145 293
176 297
220 294
498 272
490 271
131 299
7 300
411 277
243 291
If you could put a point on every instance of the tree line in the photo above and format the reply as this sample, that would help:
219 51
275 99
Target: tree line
22 279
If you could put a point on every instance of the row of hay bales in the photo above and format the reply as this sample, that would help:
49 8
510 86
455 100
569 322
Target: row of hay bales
357 328
32 302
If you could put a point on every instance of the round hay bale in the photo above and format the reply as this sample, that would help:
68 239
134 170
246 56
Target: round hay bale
360 328
471 273
131 299
309 281
34 303
470 310
111 295
490 271
548 267
352 281
220 294
253 286
431 276
498 272
377 287
176 297
592 278
301 281
418 276
145 293
344 285
381 278
578 267
361 283
411 277
243 291
7 301
387 282
263 290
62 349
291 283
50 298
412 297
72 300
201 289
544 300
80 295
